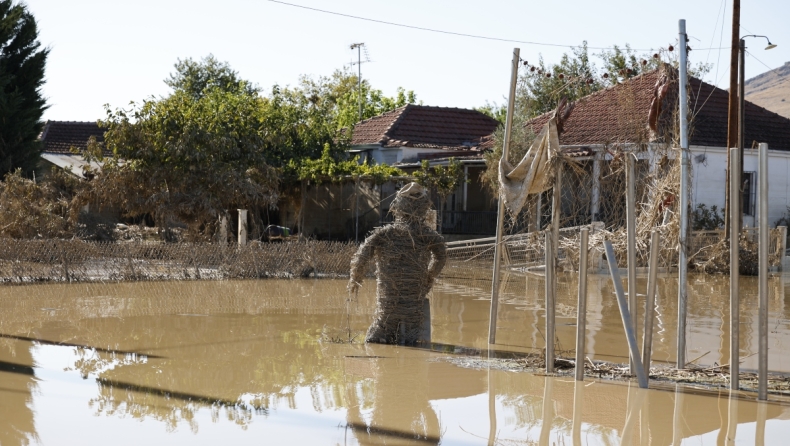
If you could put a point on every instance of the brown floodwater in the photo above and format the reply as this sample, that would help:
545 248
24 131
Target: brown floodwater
254 362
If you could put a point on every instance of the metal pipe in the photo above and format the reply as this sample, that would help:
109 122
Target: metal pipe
630 211
581 309
735 181
650 302
614 271
550 301
684 199
500 227
762 360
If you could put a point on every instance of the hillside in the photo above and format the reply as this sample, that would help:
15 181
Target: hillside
771 90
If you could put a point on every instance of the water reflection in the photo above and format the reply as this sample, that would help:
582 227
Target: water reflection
241 356
17 384
522 316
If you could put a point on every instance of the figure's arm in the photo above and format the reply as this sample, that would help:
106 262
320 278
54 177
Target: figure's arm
359 263
439 258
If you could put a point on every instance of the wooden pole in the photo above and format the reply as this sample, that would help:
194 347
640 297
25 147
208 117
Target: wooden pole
500 228
581 309
732 110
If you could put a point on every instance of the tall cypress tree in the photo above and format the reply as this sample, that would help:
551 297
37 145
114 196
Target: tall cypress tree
21 76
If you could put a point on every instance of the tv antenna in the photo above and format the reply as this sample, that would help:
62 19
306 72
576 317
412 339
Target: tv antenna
359 47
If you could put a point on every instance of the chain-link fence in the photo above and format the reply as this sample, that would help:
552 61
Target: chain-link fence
29 261
526 250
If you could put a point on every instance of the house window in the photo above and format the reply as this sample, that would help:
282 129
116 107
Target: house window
749 191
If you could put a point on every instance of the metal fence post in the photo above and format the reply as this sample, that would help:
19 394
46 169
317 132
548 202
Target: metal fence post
581 310
762 360
735 182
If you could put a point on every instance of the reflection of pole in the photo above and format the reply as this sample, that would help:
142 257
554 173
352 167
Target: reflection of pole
684 199
549 301
732 413
677 417
501 205
634 408
491 411
762 414
581 311
578 388
762 360
630 211
650 302
735 180
548 411
625 314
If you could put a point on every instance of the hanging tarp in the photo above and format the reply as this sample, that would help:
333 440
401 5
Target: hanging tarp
532 174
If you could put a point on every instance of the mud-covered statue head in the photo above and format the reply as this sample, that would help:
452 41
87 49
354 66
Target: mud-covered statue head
411 204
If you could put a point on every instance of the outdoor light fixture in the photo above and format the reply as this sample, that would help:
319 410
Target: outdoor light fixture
741 109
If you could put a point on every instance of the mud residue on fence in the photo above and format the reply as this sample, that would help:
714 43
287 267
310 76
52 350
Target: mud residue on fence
30 261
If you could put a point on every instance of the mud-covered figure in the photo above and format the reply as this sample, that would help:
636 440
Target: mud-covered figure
408 255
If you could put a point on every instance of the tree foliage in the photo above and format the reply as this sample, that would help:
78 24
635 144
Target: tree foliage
329 168
186 158
541 85
22 64
197 77
443 179
339 95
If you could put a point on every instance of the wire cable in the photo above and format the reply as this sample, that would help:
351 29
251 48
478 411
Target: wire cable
452 33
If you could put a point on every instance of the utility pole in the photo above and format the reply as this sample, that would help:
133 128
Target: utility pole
358 47
732 111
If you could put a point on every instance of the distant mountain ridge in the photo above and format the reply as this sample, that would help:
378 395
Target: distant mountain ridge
771 90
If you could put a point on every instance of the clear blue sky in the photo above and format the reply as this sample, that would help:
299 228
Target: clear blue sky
113 51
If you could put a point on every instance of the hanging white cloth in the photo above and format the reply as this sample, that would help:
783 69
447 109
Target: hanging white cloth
532 174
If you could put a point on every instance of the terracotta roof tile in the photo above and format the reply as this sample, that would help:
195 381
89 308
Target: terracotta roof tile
61 136
425 127
619 114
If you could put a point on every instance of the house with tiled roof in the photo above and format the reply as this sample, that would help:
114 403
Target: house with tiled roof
641 113
410 134
62 138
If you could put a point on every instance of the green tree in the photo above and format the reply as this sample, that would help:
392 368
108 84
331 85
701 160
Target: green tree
186 158
195 78
22 62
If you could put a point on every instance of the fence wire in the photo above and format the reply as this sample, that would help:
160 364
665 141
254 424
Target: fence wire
30 261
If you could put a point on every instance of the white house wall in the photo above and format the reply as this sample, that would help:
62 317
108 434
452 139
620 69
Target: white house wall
708 167
392 155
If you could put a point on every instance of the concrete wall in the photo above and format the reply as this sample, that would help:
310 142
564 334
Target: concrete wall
708 171
330 210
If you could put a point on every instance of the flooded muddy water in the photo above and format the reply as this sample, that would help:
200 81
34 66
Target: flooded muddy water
254 362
